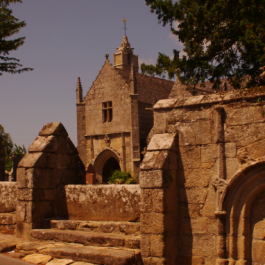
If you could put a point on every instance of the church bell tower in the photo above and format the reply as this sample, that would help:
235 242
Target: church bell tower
124 57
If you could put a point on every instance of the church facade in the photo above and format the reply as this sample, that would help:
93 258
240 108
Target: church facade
115 116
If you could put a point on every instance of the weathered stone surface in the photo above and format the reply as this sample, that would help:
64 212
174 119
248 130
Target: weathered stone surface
44 144
258 251
165 103
8 198
115 203
259 230
154 179
37 258
7 218
54 128
33 160
86 238
29 246
7 245
164 141
60 262
230 150
190 157
152 223
93 255
159 159
209 153
232 166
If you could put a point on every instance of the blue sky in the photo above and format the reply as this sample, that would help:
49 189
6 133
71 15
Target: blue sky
66 39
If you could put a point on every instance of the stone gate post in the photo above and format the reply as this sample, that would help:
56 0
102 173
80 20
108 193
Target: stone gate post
159 201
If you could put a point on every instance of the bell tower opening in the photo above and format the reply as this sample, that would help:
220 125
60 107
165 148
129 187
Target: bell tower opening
110 166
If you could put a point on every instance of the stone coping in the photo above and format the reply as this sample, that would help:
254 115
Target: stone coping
224 97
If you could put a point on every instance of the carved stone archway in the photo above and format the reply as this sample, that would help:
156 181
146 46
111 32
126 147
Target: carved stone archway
235 222
101 159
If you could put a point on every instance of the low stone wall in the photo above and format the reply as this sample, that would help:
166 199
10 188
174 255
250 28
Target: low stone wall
100 202
8 197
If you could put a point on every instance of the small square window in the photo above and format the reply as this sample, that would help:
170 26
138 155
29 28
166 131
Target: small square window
107 111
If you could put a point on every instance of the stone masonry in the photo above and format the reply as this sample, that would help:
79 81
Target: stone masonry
114 119
52 161
220 180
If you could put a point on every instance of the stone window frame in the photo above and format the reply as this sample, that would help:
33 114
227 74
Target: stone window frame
107 112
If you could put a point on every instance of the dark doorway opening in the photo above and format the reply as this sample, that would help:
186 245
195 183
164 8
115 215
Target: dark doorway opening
110 166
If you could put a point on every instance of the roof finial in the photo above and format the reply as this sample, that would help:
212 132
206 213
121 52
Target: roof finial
124 20
107 56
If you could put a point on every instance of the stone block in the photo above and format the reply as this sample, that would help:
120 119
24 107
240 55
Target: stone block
154 261
165 103
157 245
232 166
8 199
244 135
191 133
21 178
152 223
54 128
146 245
193 195
258 251
34 160
40 178
45 144
230 150
259 230
21 211
154 179
23 230
192 260
66 146
30 195
189 157
189 210
192 178
164 141
209 153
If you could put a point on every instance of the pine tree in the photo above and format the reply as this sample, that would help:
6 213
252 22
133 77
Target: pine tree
223 39
10 25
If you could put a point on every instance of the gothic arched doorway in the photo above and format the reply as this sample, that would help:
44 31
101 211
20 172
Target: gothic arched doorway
110 166
105 163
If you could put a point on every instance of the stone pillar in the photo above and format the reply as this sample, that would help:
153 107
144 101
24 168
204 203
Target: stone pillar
159 201
2 160
52 161
135 136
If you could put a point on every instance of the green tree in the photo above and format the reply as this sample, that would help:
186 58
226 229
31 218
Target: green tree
9 25
10 148
223 39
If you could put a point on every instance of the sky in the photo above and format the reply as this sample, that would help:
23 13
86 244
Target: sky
66 39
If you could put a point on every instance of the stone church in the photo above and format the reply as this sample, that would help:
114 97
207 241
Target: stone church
114 118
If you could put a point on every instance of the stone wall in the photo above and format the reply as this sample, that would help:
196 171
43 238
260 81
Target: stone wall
52 161
8 197
220 149
2 160
100 202
146 122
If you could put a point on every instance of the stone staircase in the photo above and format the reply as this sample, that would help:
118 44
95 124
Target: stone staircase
96 242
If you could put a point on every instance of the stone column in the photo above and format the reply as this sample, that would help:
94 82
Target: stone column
52 161
159 201
135 136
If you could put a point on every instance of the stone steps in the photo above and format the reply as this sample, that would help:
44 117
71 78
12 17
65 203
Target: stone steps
126 228
87 238
95 255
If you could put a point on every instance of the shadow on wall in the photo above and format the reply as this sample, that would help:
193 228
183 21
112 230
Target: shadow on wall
185 243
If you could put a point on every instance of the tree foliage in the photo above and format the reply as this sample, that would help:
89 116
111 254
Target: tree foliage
9 25
223 39
10 148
